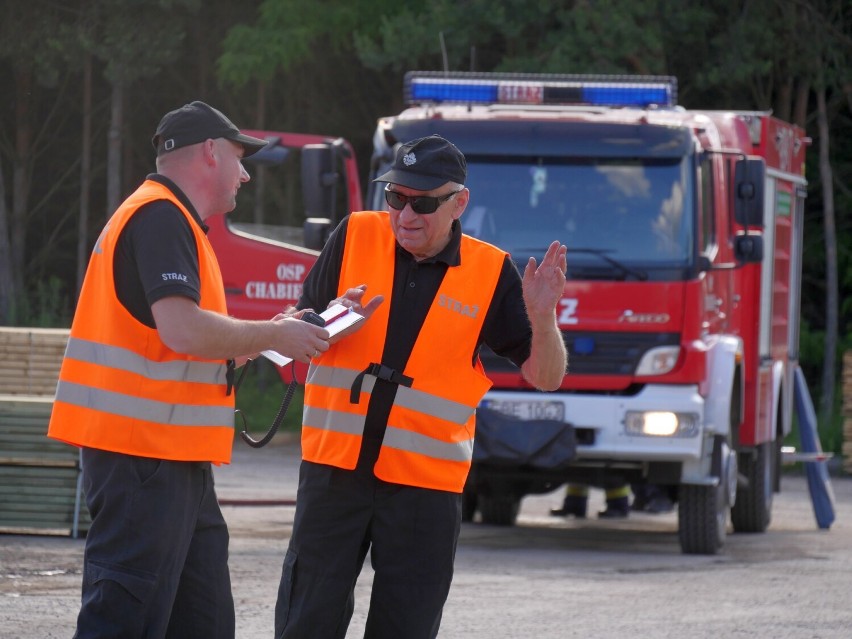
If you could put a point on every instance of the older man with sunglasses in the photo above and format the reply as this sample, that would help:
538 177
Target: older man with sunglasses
389 417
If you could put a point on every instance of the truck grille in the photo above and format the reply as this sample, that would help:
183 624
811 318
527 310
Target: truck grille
591 353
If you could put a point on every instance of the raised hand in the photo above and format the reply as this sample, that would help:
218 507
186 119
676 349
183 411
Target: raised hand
544 284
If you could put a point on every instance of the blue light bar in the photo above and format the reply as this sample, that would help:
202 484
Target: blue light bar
627 95
502 88
435 91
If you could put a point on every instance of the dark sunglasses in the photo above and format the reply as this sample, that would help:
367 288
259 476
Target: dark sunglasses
420 204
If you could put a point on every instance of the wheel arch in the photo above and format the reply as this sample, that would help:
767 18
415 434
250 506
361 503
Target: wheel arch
726 389
782 389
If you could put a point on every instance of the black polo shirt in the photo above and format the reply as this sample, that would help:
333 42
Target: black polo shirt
156 255
506 329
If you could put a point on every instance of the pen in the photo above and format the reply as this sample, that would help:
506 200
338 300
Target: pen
338 316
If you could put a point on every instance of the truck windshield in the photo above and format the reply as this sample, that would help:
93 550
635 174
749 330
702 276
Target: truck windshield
619 218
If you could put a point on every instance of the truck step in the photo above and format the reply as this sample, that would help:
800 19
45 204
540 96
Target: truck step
789 455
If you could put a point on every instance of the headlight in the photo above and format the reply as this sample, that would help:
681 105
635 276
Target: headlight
661 424
658 361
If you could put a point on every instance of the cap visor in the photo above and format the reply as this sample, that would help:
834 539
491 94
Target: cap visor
415 181
250 145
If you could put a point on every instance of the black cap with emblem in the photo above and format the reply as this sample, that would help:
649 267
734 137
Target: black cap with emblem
426 163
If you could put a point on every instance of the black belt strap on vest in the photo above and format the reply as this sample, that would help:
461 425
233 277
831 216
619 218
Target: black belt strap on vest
229 376
382 372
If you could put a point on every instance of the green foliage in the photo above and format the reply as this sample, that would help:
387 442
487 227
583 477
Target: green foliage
830 429
136 38
45 307
811 355
275 42
286 33
24 29
609 36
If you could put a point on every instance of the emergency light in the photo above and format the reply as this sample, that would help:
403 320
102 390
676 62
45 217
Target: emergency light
540 89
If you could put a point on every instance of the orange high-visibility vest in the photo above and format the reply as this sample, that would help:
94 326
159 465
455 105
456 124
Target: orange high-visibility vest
120 387
429 437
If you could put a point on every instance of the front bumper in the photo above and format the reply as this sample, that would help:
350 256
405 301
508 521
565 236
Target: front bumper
599 422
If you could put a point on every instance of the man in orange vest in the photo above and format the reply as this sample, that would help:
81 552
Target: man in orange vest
145 390
389 414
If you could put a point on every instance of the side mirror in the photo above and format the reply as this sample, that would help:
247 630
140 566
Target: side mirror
270 155
316 231
319 180
748 248
749 178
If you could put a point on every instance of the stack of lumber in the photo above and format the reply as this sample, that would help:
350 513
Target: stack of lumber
39 477
847 412
30 360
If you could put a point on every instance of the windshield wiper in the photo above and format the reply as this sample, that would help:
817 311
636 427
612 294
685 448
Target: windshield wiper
601 253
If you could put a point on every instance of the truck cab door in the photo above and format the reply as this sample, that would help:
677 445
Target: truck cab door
713 225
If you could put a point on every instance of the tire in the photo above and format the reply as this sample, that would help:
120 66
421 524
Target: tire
702 518
752 511
499 510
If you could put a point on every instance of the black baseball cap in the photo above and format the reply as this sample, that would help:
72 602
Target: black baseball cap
426 163
195 122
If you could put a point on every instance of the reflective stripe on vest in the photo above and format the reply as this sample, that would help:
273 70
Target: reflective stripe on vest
117 357
429 437
123 405
120 387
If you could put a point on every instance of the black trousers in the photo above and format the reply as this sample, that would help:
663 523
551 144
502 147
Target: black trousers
156 557
411 534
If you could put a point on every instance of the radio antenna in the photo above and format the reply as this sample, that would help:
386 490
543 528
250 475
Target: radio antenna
444 52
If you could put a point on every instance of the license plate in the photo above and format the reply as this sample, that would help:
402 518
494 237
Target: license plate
527 409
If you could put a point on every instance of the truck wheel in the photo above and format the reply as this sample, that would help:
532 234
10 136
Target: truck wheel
702 518
753 509
499 510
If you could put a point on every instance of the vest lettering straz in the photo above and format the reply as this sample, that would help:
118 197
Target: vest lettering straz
429 437
120 387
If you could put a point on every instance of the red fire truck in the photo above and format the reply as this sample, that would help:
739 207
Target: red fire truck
681 309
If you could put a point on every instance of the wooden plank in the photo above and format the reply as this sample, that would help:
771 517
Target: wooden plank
16 423
38 475
847 412
47 390
23 434
25 334
847 458
36 500
48 452
14 355
24 403
30 360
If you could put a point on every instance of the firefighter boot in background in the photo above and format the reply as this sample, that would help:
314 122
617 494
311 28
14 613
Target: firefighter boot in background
651 498
617 503
576 502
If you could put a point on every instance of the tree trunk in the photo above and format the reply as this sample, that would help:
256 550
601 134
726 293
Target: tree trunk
116 124
800 110
85 174
831 294
21 177
259 176
7 285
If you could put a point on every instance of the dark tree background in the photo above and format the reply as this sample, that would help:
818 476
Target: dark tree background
84 83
